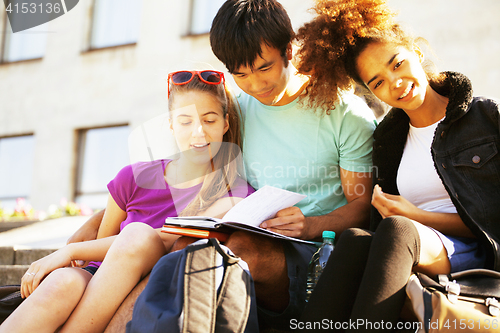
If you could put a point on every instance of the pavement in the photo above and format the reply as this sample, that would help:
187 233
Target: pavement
48 234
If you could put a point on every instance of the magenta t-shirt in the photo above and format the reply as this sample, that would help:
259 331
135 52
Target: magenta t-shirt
141 191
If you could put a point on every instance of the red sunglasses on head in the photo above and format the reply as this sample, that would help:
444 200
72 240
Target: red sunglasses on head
184 77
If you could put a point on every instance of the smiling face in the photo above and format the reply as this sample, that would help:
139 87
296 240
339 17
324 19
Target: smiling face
268 77
394 74
198 125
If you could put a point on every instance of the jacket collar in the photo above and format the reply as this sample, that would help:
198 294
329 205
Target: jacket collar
460 95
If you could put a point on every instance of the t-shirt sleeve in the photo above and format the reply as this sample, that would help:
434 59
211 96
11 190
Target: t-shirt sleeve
356 136
121 187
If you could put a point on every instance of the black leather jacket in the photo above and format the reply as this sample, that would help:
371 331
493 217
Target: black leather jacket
465 153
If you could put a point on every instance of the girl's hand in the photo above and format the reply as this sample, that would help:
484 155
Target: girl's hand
390 205
41 268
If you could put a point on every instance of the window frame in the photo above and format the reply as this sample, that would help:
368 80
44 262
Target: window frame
3 43
190 30
80 159
91 28
26 196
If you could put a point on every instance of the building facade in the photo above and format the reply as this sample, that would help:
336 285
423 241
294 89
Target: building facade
73 90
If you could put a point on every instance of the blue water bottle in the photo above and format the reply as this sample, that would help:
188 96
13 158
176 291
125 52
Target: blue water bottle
318 261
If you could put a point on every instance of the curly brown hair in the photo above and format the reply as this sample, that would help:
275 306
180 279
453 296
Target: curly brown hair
330 44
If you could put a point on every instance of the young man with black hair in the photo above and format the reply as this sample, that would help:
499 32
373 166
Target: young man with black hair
325 154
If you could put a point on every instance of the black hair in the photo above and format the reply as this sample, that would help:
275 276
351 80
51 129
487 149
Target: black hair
241 26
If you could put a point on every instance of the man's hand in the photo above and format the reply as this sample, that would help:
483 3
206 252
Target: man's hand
289 222
88 231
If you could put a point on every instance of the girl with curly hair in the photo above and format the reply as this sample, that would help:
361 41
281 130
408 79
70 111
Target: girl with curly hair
436 165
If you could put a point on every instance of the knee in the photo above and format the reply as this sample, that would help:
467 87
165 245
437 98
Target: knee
134 241
253 249
241 243
398 227
400 233
354 238
182 242
63 283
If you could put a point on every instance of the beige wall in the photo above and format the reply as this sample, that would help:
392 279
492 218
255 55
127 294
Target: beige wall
70 89
464 35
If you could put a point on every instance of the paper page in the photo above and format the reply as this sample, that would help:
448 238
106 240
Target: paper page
262 205
198 221
195 218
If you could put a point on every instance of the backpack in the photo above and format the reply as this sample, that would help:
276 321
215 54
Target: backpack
202 288
10 299
461 301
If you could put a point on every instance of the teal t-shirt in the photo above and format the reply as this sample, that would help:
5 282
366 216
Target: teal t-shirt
298 149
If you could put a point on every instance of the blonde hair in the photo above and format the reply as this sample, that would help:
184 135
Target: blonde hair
225 166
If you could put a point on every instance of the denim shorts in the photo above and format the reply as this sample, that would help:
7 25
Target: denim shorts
463 253
297 257
90 269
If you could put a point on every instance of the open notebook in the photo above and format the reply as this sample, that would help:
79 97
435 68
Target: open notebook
246 215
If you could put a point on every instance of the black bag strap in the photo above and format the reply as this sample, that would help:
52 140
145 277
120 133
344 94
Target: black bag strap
8 291
474 282
475 272
10 299
478 283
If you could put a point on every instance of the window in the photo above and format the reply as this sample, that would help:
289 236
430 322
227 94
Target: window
116 22
102 153
202 15
16 168
24 45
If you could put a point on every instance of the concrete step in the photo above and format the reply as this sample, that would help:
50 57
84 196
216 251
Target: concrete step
12 274
7 255
15 262
26 257
11 256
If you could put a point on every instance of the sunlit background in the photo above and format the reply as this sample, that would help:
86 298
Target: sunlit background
72 90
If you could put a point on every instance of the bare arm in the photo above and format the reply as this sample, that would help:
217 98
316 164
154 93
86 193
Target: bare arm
86 251
219 208
357 190
113 216
390 205
88 231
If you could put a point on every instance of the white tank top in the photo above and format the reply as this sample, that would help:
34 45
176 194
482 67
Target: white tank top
417 179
